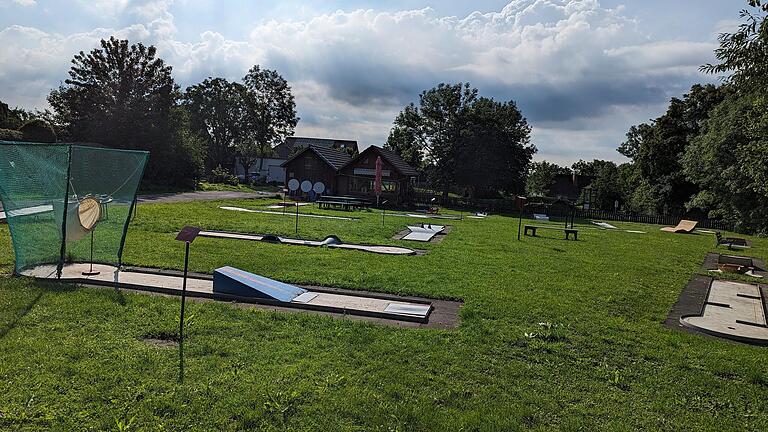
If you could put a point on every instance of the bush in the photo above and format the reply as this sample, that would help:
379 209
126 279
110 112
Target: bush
11 135
37 130
222 175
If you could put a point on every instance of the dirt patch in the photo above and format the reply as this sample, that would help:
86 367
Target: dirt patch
161 341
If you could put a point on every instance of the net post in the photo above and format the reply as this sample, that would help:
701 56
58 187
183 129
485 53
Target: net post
63 249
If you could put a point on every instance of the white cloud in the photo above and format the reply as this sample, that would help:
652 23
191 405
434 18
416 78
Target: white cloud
571 65
25 2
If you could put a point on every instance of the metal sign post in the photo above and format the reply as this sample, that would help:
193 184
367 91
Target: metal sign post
297 218
90 272
521 201
383 211
187 235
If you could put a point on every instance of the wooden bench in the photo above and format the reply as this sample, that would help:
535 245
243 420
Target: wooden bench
568 231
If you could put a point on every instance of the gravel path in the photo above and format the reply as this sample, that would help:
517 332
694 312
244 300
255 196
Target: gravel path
202 196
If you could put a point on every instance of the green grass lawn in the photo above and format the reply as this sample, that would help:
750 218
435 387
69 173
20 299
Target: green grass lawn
553 335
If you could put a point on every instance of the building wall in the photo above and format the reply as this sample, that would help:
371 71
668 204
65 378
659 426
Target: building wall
271 169
310 167
357 180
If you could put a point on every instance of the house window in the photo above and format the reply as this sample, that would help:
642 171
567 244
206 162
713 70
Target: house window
365 186
388 187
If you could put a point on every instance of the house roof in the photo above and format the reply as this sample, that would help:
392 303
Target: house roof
392 158
334 158
287 148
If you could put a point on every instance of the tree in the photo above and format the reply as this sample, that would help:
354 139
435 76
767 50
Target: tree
121 95
494 149
744 53
606 186
729 159
217 112
38 130
443 114
270 116
461 140
406 137
591 169
656 149
541 176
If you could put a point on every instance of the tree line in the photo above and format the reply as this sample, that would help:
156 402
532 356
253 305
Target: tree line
123 96
707 153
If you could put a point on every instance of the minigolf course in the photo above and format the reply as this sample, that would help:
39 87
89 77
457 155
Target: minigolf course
733 310
232 284
331 242
233 281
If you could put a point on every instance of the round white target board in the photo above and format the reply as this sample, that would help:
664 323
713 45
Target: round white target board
293 184
306 186
319 187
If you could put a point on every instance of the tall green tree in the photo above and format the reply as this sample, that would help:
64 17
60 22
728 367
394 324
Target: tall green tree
122 95
270 116
464 141
494 150
656 150
217 112
541 176
729 160
407 138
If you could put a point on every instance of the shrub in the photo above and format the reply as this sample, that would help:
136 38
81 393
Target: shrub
11 135
222 175
37 130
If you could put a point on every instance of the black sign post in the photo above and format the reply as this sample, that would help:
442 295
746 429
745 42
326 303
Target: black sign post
187 235
520 205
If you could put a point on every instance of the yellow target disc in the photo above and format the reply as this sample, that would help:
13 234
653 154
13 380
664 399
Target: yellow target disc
89 213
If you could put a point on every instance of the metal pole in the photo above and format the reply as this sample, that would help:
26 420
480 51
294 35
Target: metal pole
90 272
519 223
297 218
91 268
181 320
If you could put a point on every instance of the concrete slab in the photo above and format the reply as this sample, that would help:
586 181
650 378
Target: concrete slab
423 233
605 225
733 310
29 211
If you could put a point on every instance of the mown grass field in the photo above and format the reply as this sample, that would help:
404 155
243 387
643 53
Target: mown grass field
553 335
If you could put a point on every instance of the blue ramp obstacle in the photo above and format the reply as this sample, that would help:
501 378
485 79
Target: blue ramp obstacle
229 280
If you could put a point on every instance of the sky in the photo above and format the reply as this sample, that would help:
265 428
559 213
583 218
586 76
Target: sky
582 72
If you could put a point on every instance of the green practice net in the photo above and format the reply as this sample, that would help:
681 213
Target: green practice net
59 199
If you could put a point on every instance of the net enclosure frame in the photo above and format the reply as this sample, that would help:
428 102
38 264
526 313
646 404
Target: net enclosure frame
49 193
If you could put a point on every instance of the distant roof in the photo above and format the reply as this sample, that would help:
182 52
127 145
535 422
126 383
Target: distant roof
398 162
286 149
335 158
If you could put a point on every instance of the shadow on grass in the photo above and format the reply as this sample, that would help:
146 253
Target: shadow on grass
11 325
